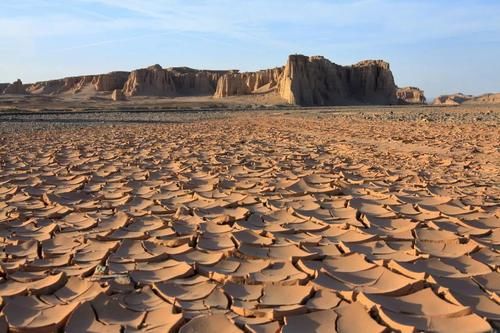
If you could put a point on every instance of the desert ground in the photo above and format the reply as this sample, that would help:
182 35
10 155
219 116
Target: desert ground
347 219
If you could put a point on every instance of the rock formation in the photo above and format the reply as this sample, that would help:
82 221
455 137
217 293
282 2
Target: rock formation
410 95
317 81
236 83
76 84
193 82
151 81
49 87
110 81
16 87
372 82
171 82
118 95
3 86
453 99
308 81
56 87
487 99
459 98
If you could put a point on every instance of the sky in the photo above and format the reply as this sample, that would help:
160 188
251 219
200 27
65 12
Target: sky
441 46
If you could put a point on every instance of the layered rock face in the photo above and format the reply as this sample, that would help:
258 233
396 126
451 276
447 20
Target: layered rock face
55 87
16 87
372 82
171 82
235 83
75 84
151 81
307 81
110 81
317 81
193 82
313 81
410 95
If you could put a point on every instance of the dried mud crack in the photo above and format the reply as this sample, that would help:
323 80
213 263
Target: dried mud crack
239 222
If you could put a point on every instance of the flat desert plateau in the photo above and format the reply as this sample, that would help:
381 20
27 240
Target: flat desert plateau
347 219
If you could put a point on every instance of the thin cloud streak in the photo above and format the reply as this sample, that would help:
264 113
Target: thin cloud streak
256 19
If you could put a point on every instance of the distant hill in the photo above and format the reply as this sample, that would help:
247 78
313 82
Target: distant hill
459 98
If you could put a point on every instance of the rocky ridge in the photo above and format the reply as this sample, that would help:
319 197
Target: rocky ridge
459 98
453 99
171 82
313 81
235 83
307 81
15 88
76 84
317 81
410 95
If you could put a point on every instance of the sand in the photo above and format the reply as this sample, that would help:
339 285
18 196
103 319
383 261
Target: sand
345 219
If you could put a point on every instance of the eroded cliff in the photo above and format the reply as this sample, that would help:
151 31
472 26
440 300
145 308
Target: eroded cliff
76 84
110 81
317 81
410 95
308 81
235 83
193 82
15 87
151 81
171 82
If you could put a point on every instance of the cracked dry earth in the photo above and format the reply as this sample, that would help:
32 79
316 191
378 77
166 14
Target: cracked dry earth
262 223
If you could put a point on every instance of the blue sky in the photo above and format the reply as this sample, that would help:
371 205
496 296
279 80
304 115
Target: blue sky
442 46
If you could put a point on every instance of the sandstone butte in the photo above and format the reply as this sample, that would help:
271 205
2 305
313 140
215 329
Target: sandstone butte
305 81
411 95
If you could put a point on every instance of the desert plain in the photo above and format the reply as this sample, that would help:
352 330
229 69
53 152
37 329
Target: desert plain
333 219
311 197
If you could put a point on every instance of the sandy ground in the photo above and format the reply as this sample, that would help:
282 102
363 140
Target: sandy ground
347 219
102 101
